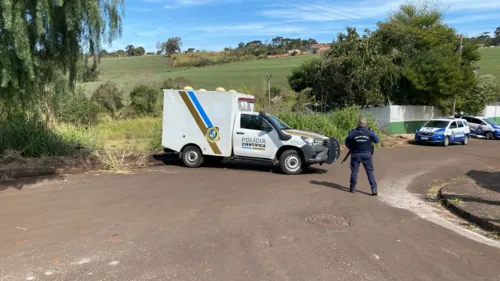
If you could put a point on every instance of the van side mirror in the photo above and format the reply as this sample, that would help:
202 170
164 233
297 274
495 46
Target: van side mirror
268 129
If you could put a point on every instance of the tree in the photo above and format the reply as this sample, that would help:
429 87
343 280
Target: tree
109 97
496 39
143 100
41 43
140 51
172 45
486 91
305 76
353 72
425 51
130 50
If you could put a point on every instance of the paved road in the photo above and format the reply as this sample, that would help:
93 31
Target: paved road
241 223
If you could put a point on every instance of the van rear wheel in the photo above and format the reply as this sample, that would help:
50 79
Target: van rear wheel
291 163
192 157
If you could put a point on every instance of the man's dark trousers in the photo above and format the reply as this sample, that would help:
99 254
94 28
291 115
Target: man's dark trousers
366 159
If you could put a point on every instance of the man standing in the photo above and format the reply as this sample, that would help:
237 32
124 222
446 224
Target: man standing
360 142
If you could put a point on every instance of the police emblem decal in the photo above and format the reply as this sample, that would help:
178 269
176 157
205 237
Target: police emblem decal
212 134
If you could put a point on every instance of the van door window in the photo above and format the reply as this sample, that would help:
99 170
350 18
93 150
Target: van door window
453 125
254 122
460 124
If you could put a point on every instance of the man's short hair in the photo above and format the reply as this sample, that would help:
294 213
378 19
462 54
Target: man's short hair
362 121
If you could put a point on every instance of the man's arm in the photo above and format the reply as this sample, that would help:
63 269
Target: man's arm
347 141
375 137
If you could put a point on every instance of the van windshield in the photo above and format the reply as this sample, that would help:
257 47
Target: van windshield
279 123
436 124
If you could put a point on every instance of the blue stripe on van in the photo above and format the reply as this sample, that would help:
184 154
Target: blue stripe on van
200 109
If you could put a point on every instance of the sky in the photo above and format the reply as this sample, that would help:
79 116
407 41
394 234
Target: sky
215 24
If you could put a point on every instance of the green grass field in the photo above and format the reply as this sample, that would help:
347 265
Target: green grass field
490 61
128 72
133 70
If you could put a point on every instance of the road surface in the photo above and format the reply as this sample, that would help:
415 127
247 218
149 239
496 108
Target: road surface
239 222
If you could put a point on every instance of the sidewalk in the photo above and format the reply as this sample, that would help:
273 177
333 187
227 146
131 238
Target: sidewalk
475 197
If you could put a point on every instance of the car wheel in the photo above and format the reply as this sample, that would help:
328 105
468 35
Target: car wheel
446 141
192 157
466 140
291 162
490 136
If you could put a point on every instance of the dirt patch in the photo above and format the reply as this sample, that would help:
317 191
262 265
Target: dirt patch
397 140
13 166
475 196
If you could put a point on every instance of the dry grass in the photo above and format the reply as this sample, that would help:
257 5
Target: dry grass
433 190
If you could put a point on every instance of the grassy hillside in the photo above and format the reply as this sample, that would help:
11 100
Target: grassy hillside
490 61
235 75
149 69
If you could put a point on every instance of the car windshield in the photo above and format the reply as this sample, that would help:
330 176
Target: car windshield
279 123
490 122
436 124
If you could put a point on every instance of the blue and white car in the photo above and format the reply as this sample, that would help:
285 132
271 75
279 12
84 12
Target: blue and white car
483 127
443 131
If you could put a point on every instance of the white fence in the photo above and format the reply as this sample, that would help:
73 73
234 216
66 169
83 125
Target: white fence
400 119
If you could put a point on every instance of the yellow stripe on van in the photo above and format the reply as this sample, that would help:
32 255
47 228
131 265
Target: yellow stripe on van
198 120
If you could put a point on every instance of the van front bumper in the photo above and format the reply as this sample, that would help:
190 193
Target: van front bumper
314 154
435 138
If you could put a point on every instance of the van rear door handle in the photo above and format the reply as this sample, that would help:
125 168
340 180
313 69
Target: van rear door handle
240 133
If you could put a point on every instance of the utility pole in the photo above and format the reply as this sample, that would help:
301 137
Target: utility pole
268 77
459 62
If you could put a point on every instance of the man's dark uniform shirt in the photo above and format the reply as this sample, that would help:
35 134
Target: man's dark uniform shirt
360 142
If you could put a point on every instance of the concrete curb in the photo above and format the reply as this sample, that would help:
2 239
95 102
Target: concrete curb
80 166
484 224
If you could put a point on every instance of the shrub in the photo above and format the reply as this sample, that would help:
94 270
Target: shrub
143 100
336 124
275 91
79 110
109 97
33 138
177 83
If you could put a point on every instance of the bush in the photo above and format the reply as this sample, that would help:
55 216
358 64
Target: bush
86 72
336 124
177 83
33 138
143 100
79 110
109 97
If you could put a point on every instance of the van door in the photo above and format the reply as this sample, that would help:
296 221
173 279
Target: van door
254 137
460 130
474 126
454 131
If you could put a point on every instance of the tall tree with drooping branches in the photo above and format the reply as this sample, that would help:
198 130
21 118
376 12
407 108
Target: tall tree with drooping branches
41 45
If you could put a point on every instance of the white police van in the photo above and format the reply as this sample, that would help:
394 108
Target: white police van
443 131
219 124
483 127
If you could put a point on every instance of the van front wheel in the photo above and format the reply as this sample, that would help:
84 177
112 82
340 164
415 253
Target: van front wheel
192 157
291 163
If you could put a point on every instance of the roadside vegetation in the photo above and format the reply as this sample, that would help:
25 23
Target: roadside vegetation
72 107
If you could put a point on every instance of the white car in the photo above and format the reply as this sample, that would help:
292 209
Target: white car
444 131
483 127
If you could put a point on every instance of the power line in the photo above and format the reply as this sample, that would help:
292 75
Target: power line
311 10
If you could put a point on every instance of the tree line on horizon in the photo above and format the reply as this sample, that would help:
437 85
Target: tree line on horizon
276 46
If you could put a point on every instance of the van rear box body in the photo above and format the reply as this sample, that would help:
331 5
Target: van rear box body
203 118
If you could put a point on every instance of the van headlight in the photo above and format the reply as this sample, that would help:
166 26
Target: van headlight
308 140
311 141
